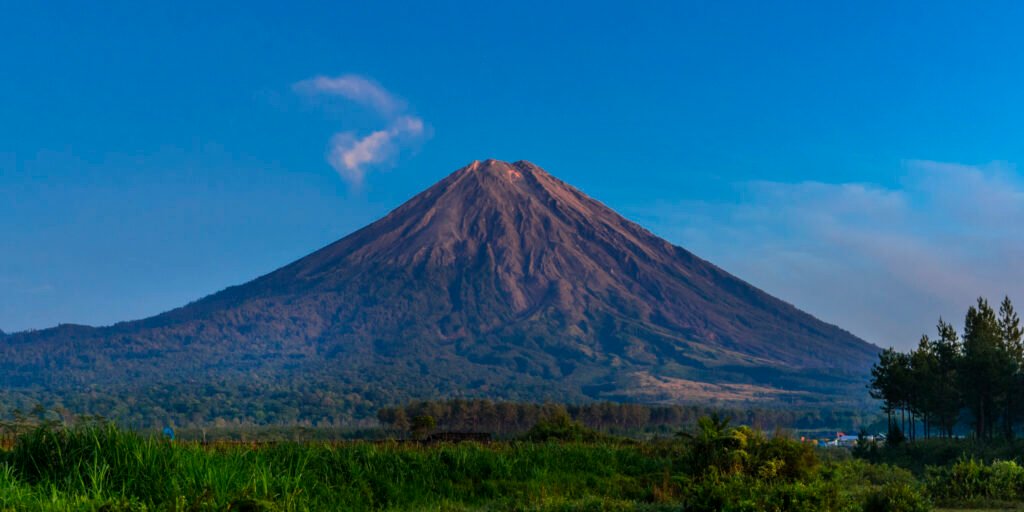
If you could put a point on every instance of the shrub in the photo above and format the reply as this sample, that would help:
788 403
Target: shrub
747 494
972 480
861 473
560 427
896 498
717 449
780 457
422 425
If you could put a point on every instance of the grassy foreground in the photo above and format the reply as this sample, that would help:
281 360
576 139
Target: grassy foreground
101 468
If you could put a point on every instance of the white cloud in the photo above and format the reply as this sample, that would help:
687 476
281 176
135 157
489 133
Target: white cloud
352 155
882 262
354 88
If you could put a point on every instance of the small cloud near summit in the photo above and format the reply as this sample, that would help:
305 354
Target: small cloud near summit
352 155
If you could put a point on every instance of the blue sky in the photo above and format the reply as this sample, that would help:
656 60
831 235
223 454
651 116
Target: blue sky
859 159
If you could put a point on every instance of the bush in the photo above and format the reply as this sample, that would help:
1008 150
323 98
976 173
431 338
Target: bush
717 449
747 494
970 480
780 457
896 498
560 427
863 474
422 425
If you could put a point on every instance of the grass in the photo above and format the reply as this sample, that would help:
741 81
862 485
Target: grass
90 468
101 468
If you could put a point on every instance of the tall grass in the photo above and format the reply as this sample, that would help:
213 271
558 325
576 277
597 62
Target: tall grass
101 466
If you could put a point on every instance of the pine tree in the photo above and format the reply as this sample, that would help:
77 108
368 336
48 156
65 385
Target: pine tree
1009 327
948 399
985 370
923 385
883 386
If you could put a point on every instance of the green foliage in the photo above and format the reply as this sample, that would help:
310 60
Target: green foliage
98 467
714 467
982 374
267 402
512 419
919 455
105 467
560 427
895 436
422 425
896 498
864 475
717 449
745 494
93 459
972 481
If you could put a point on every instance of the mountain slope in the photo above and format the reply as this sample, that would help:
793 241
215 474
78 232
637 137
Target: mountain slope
499 280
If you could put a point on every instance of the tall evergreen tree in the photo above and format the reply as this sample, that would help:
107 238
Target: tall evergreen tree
924 385
882 386
985 369
982 372
947 400
1009 328
903 382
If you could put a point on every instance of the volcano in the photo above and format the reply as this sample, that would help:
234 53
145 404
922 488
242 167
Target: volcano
499 281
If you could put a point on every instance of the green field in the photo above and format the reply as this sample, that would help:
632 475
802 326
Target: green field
101 468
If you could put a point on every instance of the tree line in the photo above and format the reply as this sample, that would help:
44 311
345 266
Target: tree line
975 378
511 418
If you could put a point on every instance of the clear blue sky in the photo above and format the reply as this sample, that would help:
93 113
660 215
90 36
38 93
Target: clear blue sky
843 157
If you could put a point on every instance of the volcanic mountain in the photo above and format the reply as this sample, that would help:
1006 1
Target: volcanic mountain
498 281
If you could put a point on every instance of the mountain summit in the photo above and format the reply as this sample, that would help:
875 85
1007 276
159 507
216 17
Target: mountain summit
500 281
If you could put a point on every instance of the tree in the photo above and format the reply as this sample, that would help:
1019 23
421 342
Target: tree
1009 327
903 384
987 367
1010 330
882 386
947 396
559 426
400 422
422 425
715 445
923 384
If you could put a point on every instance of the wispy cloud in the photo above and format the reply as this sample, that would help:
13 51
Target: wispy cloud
355 88
351 154
884 262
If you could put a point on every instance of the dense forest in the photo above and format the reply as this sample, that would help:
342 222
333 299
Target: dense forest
974 380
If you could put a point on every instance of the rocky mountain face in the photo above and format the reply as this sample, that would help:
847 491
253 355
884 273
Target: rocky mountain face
499 281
